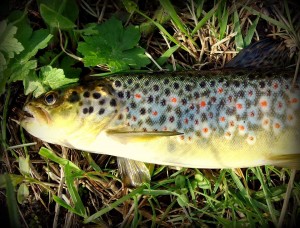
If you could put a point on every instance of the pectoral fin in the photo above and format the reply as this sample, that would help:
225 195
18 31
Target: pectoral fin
140 135
133 173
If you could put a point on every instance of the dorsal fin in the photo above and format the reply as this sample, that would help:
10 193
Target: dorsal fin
265 53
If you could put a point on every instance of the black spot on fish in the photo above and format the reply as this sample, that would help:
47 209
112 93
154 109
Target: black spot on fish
184 101
188 87
96 95
101 111
150 99
167 92
143 111
202 84
128 94
86 94
118 83
212 83
176 85
171 119
85 110
133 105
162 119
146 82
129 81
140 77
221 80
120 94
166 81
163 102
196 95
155 87
113 103
102 102
241 94
236 83
262 84
120 116
74 97
91 109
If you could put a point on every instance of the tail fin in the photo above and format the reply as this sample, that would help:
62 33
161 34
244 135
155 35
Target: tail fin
286 160
265 53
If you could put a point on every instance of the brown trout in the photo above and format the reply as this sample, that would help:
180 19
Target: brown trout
197 119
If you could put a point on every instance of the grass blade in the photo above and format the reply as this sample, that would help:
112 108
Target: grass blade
205 19
114 204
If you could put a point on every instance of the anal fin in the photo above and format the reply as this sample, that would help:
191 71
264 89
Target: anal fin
133 173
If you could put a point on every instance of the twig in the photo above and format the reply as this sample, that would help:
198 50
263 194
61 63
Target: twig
286 198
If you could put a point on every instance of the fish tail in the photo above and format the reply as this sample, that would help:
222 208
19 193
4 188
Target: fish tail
286 160
265 53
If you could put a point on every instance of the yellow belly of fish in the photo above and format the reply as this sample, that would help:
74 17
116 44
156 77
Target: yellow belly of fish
215 153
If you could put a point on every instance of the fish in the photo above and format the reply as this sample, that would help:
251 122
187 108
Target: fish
224 118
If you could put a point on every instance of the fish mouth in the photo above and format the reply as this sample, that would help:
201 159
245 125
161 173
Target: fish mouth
31 113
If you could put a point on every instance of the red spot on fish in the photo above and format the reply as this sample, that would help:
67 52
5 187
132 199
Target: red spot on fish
239 106
155 113
294 100
277 125
173 99
231 123
266 122
251 138
205 130
202 104
134 118
252 114
241 127
186 121
220 90
280 104
196 122
222 118
138 96
263 103
275 85
192 107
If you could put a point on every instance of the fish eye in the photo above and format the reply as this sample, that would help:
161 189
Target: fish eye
50 98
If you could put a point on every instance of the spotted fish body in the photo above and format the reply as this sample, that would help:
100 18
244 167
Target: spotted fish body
205 119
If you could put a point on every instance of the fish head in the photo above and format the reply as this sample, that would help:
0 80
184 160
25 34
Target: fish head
69 116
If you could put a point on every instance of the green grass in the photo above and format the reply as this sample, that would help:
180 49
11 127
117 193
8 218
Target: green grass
54 186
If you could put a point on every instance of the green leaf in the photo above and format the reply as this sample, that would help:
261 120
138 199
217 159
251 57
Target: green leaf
113 46
54 77
24 165
237 28
32 84
8 43
52 156
183 200
180 181
23 193
55 19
